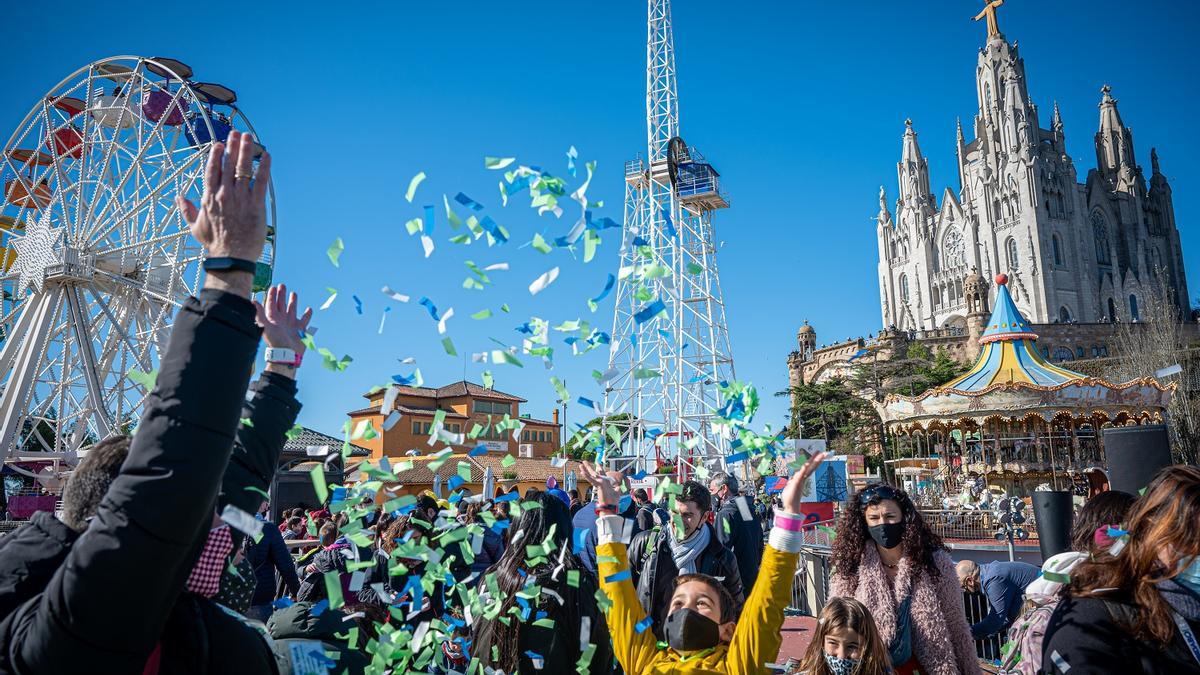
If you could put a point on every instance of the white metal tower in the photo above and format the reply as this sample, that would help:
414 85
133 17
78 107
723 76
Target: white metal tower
668 363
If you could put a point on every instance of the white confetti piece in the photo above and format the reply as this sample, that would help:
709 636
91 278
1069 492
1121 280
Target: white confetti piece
398 297
389 400
442 321
427 244
316 450
242 521
543 281
412 186
356 581
743 509
495 267
332 296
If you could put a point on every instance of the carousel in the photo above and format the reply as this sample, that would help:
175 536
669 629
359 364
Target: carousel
1015 421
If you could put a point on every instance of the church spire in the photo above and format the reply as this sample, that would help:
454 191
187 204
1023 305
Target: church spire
1114 145
962 156
913 172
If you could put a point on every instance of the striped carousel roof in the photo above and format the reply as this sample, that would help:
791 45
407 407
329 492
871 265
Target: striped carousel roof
1008 353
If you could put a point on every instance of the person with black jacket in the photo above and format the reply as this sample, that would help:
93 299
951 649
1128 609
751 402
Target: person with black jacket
737 525
113 602
515 639
268 556
645 509
1137 611
687 545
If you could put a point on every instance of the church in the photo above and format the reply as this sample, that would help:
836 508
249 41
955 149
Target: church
1074 252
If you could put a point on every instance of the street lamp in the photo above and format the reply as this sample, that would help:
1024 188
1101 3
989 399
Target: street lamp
1010 516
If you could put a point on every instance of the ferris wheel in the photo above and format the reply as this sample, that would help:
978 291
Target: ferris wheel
95 256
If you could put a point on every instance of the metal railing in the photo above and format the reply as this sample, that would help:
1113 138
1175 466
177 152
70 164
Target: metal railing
810 593
970 524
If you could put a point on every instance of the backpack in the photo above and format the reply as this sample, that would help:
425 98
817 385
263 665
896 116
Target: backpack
1022 654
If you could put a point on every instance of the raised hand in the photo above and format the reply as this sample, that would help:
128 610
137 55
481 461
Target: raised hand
610 495
231 221
793 492
277 316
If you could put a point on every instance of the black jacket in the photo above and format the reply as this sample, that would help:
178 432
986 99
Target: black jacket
653 569
29 556
743 537
296 623
109 601
266 556
1092 635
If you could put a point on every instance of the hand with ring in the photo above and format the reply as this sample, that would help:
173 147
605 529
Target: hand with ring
231 221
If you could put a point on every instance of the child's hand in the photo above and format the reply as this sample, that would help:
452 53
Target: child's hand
793 492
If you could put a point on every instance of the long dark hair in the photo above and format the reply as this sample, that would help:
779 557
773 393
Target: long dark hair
1163 519
919 542
512 573
847 613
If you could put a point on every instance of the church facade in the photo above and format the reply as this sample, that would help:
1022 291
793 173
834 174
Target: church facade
1073 251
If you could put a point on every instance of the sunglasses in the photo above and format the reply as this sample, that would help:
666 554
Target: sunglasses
880 493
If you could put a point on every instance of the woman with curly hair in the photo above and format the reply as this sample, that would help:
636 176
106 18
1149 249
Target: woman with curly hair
887 558
1137 610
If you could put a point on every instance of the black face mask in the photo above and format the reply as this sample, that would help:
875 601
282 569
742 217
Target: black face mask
689 631
887 535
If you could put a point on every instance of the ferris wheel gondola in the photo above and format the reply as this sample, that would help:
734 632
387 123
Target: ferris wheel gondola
94 255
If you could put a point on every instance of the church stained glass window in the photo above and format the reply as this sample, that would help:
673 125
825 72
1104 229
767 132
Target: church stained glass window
1100 233
1011 249
904 287
955 251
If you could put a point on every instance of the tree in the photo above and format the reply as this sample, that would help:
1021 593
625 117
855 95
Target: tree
1154 341
582 444
829 409
914 374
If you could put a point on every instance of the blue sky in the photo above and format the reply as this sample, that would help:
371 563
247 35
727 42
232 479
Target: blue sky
800 105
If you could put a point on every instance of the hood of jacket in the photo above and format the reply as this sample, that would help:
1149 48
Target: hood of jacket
298 621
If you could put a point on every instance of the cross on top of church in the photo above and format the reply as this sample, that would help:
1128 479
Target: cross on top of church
989 11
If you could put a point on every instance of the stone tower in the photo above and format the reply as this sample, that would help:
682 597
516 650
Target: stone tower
975 287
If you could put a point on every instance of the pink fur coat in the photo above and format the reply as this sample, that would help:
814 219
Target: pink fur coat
941 638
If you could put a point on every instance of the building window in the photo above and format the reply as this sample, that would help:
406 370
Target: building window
1112 310
1133 308
1100 233
1056 243
1011 247
1079 352
1064 315
1063 354
955 249
490 408
904 287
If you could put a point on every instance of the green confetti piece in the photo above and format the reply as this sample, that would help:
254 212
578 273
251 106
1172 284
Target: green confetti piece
318 481
590 241
448 345
693 268
602 600
246 422
573 578
251 488
144 379
464 471
502 356
414 225
482 314
497 162
333 589
539 244
412 186
335 251
488 380
645 373
544 623
1056 577
504 308
507 461
294 433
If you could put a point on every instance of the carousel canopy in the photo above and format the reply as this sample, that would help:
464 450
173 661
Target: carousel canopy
1008 354
1011 381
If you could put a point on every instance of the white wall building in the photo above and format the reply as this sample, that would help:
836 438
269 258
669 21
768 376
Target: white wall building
1073 251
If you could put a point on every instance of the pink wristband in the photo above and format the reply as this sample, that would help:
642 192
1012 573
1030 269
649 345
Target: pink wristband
789 524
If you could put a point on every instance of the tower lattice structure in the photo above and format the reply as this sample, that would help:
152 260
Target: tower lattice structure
668 368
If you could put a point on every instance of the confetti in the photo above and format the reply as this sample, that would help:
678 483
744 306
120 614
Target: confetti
543 281
318 481
608 286
144 379
497 162
398 297
334 252
649 311
412 186
242 522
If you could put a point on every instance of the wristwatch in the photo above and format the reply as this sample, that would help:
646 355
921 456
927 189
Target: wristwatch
283 356
239 264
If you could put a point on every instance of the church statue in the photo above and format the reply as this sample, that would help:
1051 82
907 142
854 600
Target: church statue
989 10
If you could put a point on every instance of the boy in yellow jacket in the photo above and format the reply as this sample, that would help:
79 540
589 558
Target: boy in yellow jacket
702 636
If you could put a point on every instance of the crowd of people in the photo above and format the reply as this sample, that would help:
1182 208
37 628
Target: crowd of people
163 560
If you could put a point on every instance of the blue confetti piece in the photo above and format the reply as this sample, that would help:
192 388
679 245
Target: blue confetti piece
643 625
608 286
506 497
533 655
338 494
666 216
737 457
623 504
493 229
578 537
282 602
319 608
587 402
649 311
357 304
619 576
454 482
432 308
1116 532
478 451
404 381
429 219
468 202
608 223
639 475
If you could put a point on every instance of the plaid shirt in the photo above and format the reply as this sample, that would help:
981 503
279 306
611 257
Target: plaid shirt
205 578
